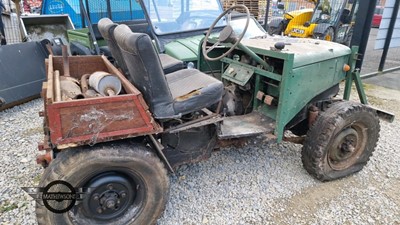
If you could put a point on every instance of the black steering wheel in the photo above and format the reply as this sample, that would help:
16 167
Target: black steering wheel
226 35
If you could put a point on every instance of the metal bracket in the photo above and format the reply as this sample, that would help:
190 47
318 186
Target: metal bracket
158 146
205 120
383 115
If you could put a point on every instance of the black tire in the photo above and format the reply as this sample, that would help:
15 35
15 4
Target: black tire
349 37
276 30
137 172
328 152
328 35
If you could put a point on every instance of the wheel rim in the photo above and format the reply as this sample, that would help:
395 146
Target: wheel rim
347 146
328 37
111 194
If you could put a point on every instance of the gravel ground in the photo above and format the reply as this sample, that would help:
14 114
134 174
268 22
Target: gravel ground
247 185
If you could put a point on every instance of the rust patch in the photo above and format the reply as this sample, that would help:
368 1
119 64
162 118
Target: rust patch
187 96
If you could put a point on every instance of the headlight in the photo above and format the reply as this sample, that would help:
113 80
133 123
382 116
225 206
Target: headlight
325 16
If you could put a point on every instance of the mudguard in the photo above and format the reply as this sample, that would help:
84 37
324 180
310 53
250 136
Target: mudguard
321 28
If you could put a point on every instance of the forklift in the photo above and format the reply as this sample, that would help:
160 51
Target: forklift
331 20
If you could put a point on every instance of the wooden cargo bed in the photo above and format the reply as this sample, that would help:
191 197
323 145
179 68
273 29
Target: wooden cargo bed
92 120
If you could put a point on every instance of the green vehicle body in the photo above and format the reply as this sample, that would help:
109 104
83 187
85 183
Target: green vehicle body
304 73
266 86
303 77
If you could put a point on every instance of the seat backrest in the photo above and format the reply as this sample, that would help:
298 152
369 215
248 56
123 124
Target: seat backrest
106 28
345 17
145 69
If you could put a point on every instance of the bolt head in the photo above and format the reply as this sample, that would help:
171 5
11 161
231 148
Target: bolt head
96 197
99 210
110 204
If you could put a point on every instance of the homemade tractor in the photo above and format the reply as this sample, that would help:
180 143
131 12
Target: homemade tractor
331 20
120 143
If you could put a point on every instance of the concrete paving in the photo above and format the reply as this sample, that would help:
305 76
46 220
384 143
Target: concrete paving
371 63
389 80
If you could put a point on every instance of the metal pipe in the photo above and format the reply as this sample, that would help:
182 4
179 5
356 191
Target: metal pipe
373 74
254 56
159 147
57 86
109 9
84 83
389 35
65 60
266 15
362 27
90 26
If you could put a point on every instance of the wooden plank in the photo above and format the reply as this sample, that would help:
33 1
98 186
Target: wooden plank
50 75
100 118
80 65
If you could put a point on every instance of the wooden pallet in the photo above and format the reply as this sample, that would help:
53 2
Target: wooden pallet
252 5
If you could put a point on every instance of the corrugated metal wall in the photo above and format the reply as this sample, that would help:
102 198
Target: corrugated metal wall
383 29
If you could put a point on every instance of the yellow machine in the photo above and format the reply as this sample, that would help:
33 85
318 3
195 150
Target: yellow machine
331 20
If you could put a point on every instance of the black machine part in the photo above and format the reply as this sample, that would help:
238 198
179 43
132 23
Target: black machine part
28 84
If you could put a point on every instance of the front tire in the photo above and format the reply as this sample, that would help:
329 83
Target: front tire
328 35
276 30
127 185
341 141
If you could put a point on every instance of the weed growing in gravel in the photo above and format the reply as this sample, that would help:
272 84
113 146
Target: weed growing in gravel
7 206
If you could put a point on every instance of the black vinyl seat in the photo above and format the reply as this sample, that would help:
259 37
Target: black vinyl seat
171 95
106 28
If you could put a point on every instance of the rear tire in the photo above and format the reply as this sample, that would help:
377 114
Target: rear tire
341 141
133 178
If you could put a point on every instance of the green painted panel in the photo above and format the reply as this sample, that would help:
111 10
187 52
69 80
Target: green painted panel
184 49
305 51
82 36
238 74
301 85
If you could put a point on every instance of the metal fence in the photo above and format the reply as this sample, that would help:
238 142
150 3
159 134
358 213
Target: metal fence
11 28
258 7
10 22
289 5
